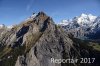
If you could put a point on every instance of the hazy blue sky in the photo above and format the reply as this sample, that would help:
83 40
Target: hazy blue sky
15 11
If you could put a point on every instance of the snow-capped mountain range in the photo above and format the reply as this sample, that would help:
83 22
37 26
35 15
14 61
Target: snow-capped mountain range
3 26
83 19
85 25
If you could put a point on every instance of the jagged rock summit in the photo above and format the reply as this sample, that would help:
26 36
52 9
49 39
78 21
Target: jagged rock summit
37 40
34 41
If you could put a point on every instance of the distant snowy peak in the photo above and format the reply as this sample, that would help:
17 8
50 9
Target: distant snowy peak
64 22
85 26
90 16
3 26
9 27
85 19
82 20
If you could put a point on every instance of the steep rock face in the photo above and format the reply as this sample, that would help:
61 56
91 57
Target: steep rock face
37 40
51 44
42 40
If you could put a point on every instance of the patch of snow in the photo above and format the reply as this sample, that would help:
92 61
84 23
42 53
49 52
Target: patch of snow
31 17
86 19
2 25
64 22
9 27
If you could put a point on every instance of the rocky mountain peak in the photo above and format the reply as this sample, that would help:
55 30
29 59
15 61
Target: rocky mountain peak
88 16
41 13
35 41
85 19
40 20
38 24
